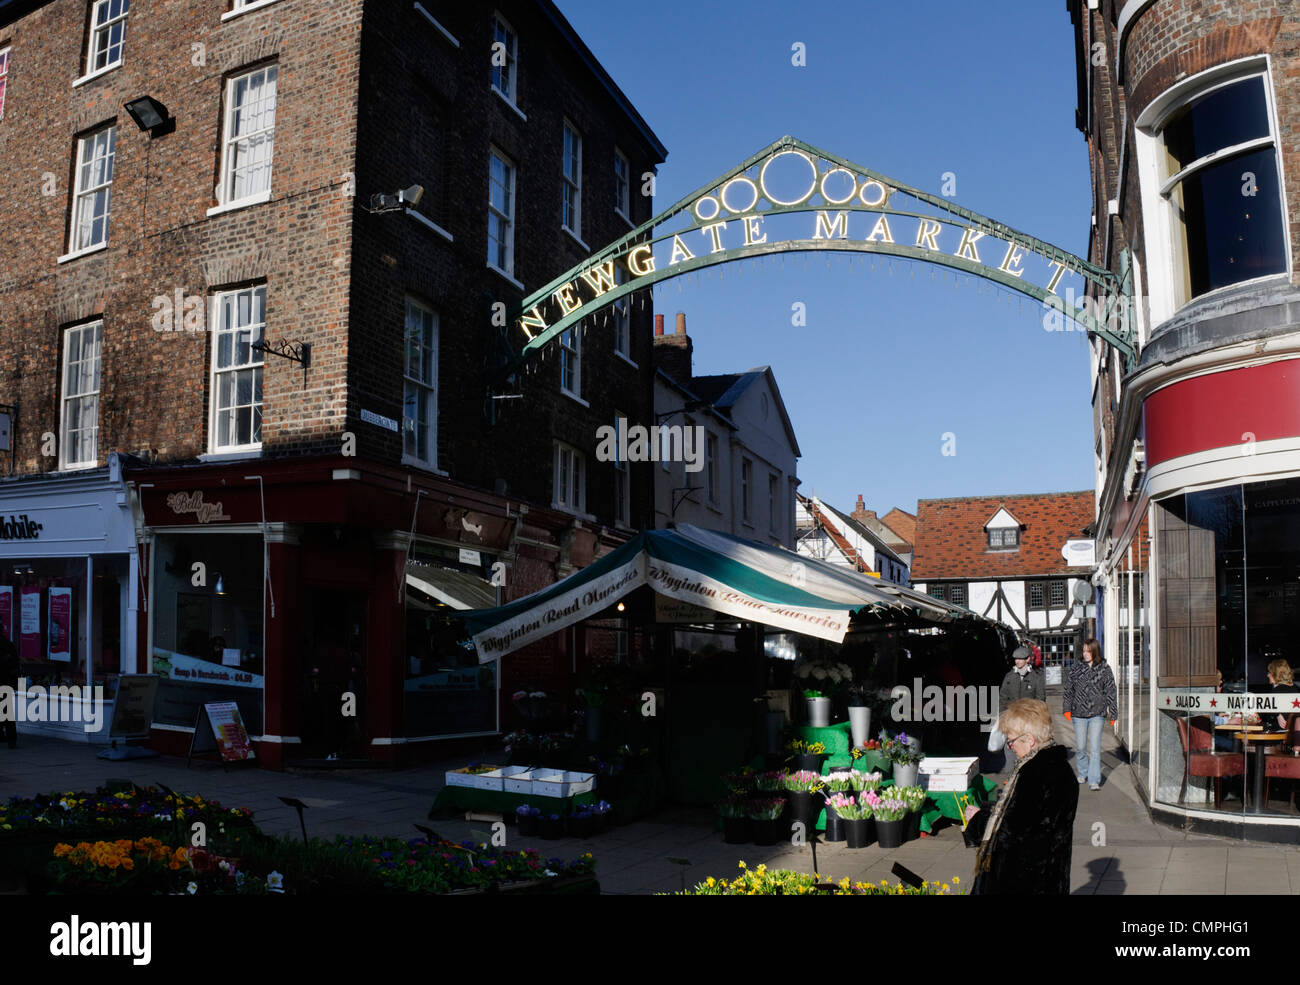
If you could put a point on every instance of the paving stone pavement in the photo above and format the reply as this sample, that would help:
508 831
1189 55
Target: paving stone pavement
1137 857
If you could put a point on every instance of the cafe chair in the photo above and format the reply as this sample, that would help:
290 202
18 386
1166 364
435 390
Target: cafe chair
1202 760
1284 764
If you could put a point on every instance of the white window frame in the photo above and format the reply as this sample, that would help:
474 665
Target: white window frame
507 217
257 365
622 478
510 71
571 359
244 7
746 490
570 465
4 78
622 319
99 28
1165 277
427 456
711 466
87 190
622 185
571 182
226 199
96 331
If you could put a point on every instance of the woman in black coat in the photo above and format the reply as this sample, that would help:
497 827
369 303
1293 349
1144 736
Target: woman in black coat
1027 839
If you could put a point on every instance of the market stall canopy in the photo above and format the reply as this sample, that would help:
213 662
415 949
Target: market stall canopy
742 579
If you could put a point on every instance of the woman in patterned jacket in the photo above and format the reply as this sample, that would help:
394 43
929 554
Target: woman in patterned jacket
1090 698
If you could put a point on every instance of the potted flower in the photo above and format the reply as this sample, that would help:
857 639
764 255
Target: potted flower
819 679
858 814
552 826
801 788
767 819
889 814
904 754
836 783
740 781
808 755
735 820
588 819
860 781
859 715
529 820
914 798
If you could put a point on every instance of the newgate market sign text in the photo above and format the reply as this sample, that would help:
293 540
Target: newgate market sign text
792 197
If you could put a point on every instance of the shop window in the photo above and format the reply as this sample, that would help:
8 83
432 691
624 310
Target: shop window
446 690
79 419
237 370
94 177
207 642
249 139
1216 172
420 404
107 34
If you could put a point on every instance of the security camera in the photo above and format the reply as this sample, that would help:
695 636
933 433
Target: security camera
412 195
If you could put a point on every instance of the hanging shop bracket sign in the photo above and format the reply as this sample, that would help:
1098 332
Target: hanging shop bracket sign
841 207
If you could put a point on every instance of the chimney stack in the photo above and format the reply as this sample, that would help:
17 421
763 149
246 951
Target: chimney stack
673 353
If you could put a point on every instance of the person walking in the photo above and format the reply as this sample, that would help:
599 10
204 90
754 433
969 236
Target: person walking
1022 681
1090 699
1026 843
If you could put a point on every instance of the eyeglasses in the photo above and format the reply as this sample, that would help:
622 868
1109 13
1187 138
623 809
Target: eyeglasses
1012 742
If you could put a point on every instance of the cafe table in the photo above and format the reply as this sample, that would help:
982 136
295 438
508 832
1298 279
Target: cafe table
1259 740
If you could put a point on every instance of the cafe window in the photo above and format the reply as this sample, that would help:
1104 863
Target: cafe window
446 691
206 604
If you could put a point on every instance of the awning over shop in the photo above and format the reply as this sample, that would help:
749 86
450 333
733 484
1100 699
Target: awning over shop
742 579
458 589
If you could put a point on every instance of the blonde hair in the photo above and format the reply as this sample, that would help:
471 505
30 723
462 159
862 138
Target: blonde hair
1027 716
1281 671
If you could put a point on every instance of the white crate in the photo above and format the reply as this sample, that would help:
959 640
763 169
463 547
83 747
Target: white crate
521 782
561 783
476 781
948 773
497 778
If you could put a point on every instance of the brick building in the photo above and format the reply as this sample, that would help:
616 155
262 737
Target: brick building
1192 122
182 182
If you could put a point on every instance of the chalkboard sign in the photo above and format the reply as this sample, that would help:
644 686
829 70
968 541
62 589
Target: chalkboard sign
133 706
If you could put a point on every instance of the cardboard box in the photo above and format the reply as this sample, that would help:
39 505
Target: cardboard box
948 773
561 783
477 781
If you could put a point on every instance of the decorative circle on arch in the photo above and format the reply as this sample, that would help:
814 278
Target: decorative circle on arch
767 192
853 186
716 208
752 202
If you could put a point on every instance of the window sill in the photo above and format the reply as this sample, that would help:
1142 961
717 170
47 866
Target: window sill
626 359
573 511
574 397
236 455
493 266
98 73
434 21
426 221
243 203
576 238
76 254
78 467
506 99
247 9
423 466
715 507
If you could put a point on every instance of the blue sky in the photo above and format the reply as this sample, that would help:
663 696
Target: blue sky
888 363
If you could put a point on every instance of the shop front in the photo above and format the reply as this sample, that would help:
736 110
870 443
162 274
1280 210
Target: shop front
69 591
1203 604
321 597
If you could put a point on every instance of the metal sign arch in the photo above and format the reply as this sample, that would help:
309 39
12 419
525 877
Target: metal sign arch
711 211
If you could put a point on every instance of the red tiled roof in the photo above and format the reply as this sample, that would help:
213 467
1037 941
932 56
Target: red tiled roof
902 523
951 541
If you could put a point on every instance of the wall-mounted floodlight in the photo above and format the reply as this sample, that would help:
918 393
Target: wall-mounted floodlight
150 116
404 199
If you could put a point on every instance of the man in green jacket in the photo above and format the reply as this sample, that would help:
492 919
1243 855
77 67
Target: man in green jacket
1022 681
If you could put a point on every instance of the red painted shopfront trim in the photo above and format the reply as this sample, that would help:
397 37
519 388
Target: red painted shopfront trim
1216 410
